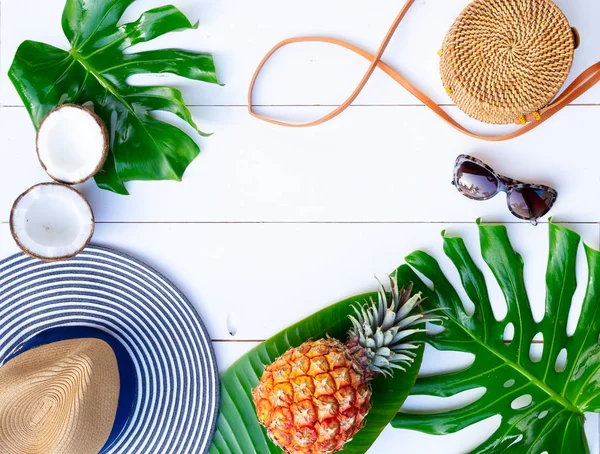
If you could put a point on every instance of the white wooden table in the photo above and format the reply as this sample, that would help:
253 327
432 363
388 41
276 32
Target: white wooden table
271 224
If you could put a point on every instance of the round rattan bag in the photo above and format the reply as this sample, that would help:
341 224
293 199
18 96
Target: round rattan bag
505 59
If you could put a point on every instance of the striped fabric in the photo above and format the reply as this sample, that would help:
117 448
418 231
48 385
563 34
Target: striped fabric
178 399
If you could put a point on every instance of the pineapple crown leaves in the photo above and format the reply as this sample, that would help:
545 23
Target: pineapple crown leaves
383 329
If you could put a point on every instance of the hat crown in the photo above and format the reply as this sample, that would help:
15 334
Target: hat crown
59 398
51 394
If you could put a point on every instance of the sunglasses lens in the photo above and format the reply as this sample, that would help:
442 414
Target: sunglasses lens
529 203
476 181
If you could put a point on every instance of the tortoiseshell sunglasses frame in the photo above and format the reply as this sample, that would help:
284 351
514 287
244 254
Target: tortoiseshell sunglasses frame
505 184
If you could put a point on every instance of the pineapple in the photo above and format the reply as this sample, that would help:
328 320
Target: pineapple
315 397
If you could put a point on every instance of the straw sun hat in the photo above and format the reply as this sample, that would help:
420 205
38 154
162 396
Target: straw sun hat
101 354
61 397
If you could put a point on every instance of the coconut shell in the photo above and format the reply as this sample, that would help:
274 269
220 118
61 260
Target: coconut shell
105 151
31 253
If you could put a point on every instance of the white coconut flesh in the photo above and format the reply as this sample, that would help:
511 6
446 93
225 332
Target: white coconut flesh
72 144
52 222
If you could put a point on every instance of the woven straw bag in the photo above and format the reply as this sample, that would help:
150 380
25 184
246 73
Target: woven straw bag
503 61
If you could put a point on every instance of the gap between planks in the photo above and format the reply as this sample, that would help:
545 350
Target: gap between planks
15 106
258 341
339 222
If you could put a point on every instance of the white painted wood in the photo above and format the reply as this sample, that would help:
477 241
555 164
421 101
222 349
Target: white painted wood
293 270
239 33
284 222
250 270
373 164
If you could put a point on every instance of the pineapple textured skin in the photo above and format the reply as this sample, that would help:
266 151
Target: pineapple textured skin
314 398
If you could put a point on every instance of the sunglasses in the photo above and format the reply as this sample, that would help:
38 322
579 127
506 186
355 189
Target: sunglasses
478 181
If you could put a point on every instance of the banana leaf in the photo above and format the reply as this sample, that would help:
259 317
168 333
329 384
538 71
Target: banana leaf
96 70
551 415
238 430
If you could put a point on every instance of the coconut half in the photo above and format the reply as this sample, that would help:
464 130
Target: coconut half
72 144
52 222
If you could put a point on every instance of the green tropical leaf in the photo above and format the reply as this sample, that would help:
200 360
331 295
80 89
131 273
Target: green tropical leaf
238 430
553 419
96 70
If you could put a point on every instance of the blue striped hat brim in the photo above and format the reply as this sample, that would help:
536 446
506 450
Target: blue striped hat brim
178 381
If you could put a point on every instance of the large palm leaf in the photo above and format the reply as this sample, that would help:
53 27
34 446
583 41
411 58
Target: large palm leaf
96 69
553 397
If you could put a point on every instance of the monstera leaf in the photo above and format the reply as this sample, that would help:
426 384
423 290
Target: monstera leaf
96 70
552 398
238 431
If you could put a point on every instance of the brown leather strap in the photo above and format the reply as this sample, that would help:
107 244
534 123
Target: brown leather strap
582 84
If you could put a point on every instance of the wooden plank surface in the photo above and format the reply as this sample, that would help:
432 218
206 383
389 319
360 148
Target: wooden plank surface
258 278
374 164
283 222
240 32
